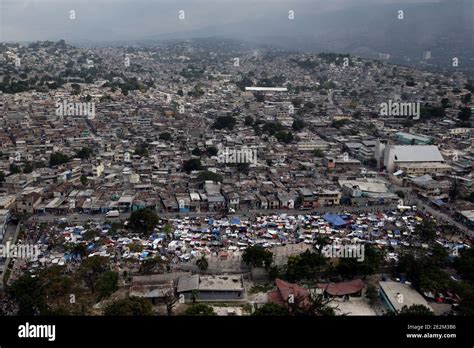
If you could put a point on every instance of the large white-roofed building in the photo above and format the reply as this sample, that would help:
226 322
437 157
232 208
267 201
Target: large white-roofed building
426 157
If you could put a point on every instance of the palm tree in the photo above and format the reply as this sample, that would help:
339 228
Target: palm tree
202 263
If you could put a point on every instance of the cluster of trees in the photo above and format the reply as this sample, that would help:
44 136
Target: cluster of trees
143 221
192 165
199 310
298 124
57 158
284 137
192 72
142 150
312 305
429 111
339 123
224 122
84 153
427 273
153 265
12 85
335 58
464 114
165 136
305 64
130 306
208 176
257 256
426 230
245 81
54 291
210 151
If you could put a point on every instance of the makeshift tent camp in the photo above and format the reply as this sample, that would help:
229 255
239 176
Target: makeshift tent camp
334 219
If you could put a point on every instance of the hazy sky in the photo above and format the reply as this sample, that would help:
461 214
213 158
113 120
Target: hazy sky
29 20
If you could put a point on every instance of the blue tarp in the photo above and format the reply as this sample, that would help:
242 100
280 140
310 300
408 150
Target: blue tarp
211 221
235 221
335 220
439 202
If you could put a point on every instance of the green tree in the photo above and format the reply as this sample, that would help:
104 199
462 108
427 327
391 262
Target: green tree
168 229
28 294
92 268
212 151
311 305
465 114
454 190
298 125
426 230
257 256
84 180
27 168
152 266
196 152
14 169
223 122
199 309
350 267
465 265
307 265
202 263
372 294
141 150
318 153
400 194
107 284
272 310
143 221
131 306
192 164
56 287
248 121
415 310
165 136
58 158
84 153
284 137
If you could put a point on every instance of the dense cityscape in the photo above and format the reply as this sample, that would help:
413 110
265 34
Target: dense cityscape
113 167
216 176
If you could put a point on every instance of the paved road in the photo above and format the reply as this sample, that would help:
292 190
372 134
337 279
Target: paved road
412 199
244 213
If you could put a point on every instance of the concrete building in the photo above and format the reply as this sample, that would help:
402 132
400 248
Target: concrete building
396 295
413 157
211 288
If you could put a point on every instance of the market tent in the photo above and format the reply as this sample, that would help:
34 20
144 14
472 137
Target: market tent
334 219
439 202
